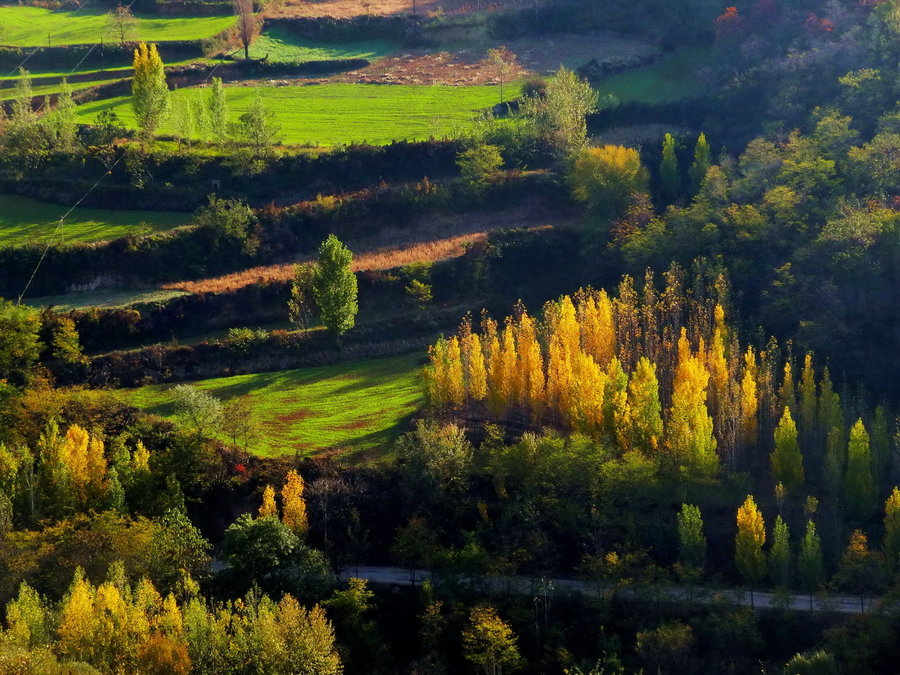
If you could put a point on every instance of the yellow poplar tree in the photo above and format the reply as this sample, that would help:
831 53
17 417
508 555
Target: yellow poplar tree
787 460
598 329
615 396
76 621
473 360
892 529
292 503
75 454
531 365
749 541
749 399
455 379
508 365
268 507
585 396
689 431
96 461
140 459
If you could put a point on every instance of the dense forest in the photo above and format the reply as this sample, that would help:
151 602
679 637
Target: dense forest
552 337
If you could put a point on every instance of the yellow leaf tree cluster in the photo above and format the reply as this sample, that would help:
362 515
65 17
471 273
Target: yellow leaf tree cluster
293 506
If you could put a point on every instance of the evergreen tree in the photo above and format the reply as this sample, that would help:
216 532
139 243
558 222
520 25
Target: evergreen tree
859 487
748 543
780 554
669 176
149 92
787 460
334 286
691 540
701 164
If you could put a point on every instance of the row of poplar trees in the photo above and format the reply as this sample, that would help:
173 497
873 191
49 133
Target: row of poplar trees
662 373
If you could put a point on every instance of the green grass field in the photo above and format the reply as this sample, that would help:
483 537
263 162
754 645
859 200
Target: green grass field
9 93
352 406
332 114
24 220
282 46
31 26
674 78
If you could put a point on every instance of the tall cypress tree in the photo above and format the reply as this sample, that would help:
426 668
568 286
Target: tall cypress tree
701 164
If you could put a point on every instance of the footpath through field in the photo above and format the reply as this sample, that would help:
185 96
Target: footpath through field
760 600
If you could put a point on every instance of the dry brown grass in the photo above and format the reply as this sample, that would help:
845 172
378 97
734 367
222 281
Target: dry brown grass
443 238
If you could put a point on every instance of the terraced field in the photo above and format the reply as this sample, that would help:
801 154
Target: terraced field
332 114
24 220
353 406
281 46
38 27
671 79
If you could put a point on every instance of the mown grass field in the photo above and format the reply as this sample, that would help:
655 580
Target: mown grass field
31 26
332 114
281 46
671 79
350 406
24 220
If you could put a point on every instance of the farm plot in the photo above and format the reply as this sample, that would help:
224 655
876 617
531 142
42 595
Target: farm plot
9 93
281 46
674 78
24 220
333 114
38 27
354 406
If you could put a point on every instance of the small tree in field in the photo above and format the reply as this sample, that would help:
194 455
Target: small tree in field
334 286
503 62
247 24
149 93
258 127
121 24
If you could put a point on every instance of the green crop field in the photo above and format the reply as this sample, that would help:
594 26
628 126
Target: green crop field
354 406
38 27
9 93
104 297
24 220
281 46
332 114
672 79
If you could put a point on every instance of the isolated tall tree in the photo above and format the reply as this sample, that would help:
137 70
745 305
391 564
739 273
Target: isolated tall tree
149 93
268 508
787 460
293 506
561 115
217 110
780 554
503 63
669 177
748 543
247 24
334 286
702 162
859 487
691 540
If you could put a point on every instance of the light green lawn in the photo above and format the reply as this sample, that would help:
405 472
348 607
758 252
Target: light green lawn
674 78
281 46
9 93
332 114
354 406
30 27
24 220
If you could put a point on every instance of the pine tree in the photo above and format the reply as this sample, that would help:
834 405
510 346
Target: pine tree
268 508
149 92
691 540
780 554
293 506
787 460
859 488
892 530
748 543
669 178
334 286
810 564
702 163
643 414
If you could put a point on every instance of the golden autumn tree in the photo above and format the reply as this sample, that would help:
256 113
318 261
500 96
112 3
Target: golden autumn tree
598 330
530 366
268 507
473 366
748 543
689 429
749 399
455 379
293 506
